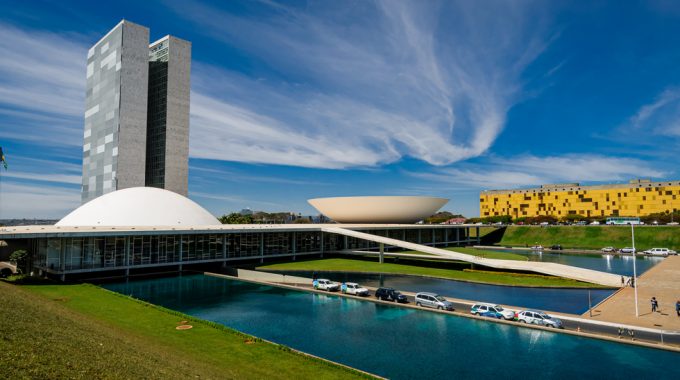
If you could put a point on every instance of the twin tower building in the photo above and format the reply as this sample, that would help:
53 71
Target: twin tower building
136 113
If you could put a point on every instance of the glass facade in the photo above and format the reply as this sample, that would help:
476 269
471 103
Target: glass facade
157 114
117 252
102 112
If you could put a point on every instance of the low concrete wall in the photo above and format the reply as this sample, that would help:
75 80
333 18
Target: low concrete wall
270 277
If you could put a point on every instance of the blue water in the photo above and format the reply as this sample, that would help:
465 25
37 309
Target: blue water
574 301
400 343
622 265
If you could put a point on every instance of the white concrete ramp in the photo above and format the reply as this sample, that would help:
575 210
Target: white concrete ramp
553 269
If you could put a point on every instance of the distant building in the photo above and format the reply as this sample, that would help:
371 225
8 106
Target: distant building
136 113
636 198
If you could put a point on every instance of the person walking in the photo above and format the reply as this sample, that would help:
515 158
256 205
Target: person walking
677 308
655 304
623 281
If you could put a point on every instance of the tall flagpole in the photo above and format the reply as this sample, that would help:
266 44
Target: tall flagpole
635 284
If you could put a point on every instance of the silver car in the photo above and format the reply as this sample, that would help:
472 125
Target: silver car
433 300
538 318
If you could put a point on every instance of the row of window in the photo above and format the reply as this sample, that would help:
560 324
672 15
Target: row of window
110 252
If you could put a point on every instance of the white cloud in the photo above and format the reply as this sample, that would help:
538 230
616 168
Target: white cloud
42 86
523 171
662 116
58 178
364 85
26 201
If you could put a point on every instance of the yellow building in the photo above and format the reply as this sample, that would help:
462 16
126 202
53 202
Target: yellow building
636 198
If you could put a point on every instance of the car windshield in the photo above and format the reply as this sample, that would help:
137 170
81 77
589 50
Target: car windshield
498 308
543 315
440 299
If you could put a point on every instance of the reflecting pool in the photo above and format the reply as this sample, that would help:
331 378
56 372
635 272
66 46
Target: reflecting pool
622 265
395 342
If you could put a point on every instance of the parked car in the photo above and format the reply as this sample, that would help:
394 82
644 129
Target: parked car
595 223
389 294
356 289
608 250
328 285
433 300
660 252
556 247
538 318
537 247
627 250
491 310
672 224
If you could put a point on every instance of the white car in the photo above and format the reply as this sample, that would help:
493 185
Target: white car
355 289
538 318
328 285
608 249
659 252
627 250
595 223
493 311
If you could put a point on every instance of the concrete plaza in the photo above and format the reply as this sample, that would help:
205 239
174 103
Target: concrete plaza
661 281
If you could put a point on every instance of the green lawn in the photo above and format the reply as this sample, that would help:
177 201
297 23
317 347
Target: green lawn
452 271
593 237
480 252
85 332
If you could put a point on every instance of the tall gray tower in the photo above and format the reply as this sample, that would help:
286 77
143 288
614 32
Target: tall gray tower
167 133
137 112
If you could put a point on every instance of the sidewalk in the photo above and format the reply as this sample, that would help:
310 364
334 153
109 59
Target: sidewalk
661 281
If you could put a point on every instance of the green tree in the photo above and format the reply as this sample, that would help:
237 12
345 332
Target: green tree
236 218
20 259
302 221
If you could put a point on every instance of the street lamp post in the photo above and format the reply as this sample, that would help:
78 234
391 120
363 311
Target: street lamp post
635 285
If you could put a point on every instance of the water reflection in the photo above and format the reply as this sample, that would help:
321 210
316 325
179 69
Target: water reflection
395 342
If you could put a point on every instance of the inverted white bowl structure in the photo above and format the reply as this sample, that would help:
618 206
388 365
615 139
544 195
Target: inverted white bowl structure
378 209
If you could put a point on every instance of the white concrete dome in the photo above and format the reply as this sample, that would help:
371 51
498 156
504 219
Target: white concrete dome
389 209
140 206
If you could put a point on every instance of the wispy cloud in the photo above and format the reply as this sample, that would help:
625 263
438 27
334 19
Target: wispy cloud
42 86
367 84
522 171
25 201
662 116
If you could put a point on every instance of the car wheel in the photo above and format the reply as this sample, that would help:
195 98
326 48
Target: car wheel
522 321
418 304
440 308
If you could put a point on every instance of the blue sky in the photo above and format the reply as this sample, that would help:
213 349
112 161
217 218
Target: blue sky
296 100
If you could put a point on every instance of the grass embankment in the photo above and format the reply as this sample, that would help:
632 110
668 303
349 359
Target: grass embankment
593 237
452 271
82 331
483 231
479 252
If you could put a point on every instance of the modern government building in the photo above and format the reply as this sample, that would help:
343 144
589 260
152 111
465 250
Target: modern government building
136 112
135 215
636 198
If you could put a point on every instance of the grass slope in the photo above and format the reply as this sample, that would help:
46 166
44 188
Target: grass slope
82 331
451 271
480 252
593 237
